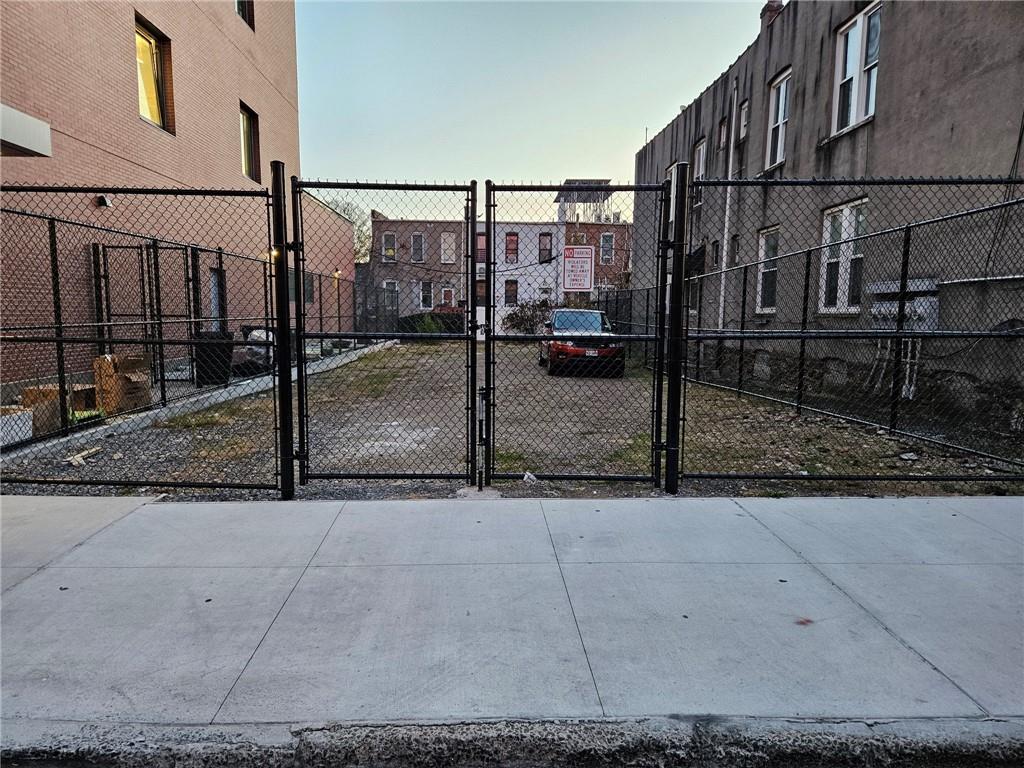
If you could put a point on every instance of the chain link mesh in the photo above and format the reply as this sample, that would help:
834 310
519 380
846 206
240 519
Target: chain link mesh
137 338
855 328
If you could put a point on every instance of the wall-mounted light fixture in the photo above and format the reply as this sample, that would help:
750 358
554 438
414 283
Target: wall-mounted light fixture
103 201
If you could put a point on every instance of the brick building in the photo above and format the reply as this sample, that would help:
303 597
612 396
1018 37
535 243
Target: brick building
149 95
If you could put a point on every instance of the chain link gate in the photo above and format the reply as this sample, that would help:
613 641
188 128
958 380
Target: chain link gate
385 330
574 282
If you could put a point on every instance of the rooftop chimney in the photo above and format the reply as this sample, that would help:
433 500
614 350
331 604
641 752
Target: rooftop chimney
771 9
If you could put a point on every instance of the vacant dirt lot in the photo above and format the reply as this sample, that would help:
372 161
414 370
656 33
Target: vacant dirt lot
402 408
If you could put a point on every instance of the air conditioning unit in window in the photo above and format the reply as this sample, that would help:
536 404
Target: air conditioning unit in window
922 307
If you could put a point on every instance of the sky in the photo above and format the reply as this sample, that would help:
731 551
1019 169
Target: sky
514 92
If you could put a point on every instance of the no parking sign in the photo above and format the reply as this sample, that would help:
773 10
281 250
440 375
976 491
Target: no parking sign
578 268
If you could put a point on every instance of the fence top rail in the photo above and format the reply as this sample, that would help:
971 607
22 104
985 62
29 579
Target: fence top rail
393 185
127 233
577 187
862 182
166 191
882 232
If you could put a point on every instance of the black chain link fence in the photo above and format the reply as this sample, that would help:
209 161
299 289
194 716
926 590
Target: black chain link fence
137 332
385 388
856 329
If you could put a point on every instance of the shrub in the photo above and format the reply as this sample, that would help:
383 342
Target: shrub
529 316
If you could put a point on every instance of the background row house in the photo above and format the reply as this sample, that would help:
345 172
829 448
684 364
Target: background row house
417 267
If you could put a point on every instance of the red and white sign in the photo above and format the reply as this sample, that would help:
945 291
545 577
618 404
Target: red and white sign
578 268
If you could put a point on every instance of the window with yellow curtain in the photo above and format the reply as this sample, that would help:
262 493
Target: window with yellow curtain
147 57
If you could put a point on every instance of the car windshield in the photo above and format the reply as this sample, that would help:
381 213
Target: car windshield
589 322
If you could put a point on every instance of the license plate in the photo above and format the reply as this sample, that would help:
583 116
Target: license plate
590 352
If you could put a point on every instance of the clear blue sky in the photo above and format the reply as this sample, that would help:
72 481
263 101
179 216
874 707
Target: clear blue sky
537 91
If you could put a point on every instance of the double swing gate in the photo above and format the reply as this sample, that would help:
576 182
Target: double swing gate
658 333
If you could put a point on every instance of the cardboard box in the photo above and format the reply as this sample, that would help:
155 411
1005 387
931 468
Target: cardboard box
122 382
44 400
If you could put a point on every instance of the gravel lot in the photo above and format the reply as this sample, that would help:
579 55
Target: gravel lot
402 408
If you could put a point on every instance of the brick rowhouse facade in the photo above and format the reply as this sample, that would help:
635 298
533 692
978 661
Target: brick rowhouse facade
69 70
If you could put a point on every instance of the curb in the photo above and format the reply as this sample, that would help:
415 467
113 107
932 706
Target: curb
701 741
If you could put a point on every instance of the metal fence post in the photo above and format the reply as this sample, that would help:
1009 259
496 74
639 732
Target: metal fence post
282 329
488 405
803 337
158 306
299 296
58 326
674 426
474 474
895 394
659 320
743 330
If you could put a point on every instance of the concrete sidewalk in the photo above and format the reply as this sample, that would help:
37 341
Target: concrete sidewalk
232 615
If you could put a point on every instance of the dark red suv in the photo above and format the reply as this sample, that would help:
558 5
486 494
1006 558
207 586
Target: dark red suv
563 354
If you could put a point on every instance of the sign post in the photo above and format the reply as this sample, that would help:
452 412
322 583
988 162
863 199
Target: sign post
578 268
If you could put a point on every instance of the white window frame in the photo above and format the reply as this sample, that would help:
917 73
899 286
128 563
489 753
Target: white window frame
412 247
422 284
723 133
384 247
505 246
700 163
764 266
540 249
449 247
744 118
390 287
864 77
611 257
504 296
781 84
844 253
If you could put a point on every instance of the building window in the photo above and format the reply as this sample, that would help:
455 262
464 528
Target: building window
734 250
426 295
744 119
449 247
715 252
245 9
416 245
608 248
388 247
152 60
699 166
511 293
544 253
723 133
511 247
391 296
481 247
250 123
857 68
842 257
307 286
767 269
778 111
447 297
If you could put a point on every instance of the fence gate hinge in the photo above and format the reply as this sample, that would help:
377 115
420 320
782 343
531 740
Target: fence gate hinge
293 246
